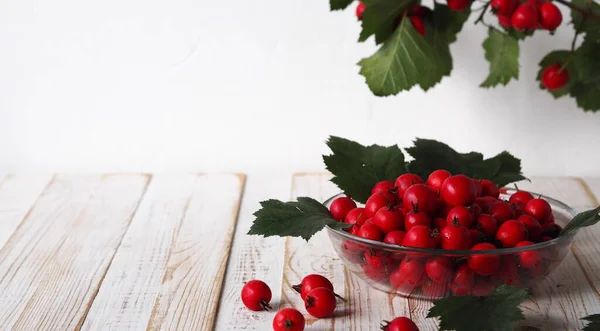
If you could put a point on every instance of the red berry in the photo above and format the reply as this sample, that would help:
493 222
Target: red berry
540 210
354 229
360 9
458 5
483 287
356 216
312 282
550 16
340 207
522 197
478 187
320 302
418 24
505 21
530 259
511 233
486 203
408 276
419 236
439 269
378 201
420 11
484 264
508 272
399 324
382 187
437 178
378 266
455 237
414 218
434 289
394 237
476 237
504 7
525 17
462 281
421 197
489 189
551 230
439 223
388 219
288 319
256 295
546 238
460 215
405 181
458 190
370 231
534 229
502 212
475 211
487 224
555 77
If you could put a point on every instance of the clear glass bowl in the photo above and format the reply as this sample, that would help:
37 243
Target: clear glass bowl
378 263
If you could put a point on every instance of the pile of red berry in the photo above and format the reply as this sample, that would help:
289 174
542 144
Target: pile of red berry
319 300
447 212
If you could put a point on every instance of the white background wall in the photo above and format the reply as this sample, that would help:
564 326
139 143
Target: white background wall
186 85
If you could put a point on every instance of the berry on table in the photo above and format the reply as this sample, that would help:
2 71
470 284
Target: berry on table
256 295
360 9
312 282
550 16
399 324
340 207
320 302
525 17
458 190
288 319
555 76
511 232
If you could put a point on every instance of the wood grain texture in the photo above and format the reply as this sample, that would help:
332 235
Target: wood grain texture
193 277
17 195
54 263
565 295
253 257
587 248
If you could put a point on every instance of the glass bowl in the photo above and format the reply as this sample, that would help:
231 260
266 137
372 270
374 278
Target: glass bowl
401 270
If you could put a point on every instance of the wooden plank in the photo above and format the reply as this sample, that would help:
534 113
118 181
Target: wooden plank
192 282
565 295
587 249
54 263
366 306
17 195
253 257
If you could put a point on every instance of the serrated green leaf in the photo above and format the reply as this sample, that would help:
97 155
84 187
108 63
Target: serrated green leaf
589 26
496 312
357 168
502 52
339 4
404 61
586 79
381 17
302 218
583 219
594 323
559 56
430 155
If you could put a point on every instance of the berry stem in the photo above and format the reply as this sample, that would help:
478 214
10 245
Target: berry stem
340 297
483 11
587 12
265 305
297 288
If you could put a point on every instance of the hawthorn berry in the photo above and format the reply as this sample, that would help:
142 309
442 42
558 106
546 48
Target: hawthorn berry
555 76
256 295
462 281
439 223
370 231
478 187
394 237
529 259
458 5
356 216
439 269
388 219
507 273
437 178
502 212
503 7
320 302
421 11
489 189
458 190
288 319
505 21
404 181
487 224
534 229
540 210
360 9
525 17
378 201
486 203
550 16
476 237
408 275
460 215
455 237
418 24
421 197
340 207
522 197
414 218
551 230
484 264
312 282
419 236
383 186
399 324
511 233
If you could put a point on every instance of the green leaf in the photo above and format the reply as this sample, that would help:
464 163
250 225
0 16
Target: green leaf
589 26
339 4
357 168
560 56
496 312
430 155
583 219
502 52
303 219
381 17
586 80
594 324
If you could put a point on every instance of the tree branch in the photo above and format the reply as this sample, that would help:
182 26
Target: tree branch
586 11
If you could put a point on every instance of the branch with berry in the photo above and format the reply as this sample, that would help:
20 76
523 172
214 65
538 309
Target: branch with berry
415 44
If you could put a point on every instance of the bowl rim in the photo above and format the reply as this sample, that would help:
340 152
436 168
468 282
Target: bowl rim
439 251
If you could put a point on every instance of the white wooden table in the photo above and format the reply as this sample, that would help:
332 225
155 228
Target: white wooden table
170 252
